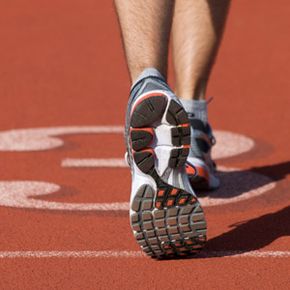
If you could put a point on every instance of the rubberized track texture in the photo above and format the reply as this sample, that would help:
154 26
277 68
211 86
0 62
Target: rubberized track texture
64 185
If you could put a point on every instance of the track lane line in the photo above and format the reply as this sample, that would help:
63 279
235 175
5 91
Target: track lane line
138 254
94 162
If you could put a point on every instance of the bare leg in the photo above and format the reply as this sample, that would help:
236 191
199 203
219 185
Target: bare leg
145 27
197 29
159 181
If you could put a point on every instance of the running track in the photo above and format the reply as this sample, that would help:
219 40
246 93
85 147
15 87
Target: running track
62 66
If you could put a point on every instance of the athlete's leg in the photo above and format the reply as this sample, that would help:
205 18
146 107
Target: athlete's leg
157 137
197 29
145 27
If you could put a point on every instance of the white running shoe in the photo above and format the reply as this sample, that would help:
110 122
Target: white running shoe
165 215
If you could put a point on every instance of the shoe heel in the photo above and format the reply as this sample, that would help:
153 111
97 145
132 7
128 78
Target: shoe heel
168 223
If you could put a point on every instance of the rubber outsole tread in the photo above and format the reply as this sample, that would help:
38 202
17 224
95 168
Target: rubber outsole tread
169 222
180 136
150 109
170 232
141 139
176 114
145 161
178 157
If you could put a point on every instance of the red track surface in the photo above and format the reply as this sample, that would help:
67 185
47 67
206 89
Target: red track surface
62 65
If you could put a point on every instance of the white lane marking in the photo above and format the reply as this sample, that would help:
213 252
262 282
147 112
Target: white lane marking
230 144
238 254
35 139
251 184
137 254
94 162
237 185
19 194
71 254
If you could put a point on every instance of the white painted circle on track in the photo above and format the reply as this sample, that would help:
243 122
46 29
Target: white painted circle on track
230 144
36 139
236 185
19 194
250 184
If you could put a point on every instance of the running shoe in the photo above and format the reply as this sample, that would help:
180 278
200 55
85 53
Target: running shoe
165 215
200 167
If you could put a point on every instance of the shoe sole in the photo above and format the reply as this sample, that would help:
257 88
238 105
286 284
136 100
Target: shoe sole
169 221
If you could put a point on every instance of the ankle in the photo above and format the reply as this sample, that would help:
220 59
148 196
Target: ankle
147 73
196 109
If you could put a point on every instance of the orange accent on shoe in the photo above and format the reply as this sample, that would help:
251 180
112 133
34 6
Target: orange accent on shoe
189 242
184 125
170 202
193 199
186 146
146 97
149 130
182 200
158 204
160 193
170 252
190 170
148 150
182 254
202 172
174 192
